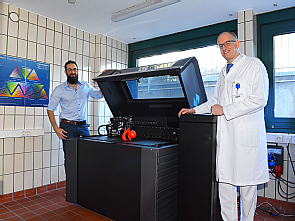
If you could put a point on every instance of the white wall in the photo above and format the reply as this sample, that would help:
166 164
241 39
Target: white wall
29 162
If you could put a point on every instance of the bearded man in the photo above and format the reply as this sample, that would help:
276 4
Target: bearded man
72 96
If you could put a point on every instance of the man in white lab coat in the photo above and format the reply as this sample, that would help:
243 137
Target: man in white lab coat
239 98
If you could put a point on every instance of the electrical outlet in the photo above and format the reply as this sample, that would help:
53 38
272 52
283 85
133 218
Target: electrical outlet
25 133
292 139
279 138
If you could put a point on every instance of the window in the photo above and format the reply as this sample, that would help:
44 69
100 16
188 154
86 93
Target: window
284 75
277 43
156 87
209 59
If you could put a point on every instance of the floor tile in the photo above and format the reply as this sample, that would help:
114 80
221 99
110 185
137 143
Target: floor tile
10 204
256 218
87 214
24 200
56 218
40 211
15 218
21 211
51 206
73 206
4 210
28 203
60 210
275 203
288 206
48 214
15 207
35 218
79 210
67 214
27 215
77 218
34 206
96 218
7 215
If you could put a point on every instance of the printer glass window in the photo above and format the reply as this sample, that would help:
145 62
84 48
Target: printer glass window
156 87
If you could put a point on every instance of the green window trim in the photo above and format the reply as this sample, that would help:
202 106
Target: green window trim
180 41
268 25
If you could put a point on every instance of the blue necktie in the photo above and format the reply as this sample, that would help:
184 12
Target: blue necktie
228 66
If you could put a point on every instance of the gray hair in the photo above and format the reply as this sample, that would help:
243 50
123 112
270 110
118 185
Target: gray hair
235 37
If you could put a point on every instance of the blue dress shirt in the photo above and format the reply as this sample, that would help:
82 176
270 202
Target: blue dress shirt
73 103
228 67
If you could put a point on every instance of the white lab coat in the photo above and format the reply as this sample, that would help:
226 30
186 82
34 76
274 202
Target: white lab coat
241 157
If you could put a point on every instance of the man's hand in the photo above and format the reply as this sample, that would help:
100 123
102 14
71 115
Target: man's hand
61 133
186 111
217 110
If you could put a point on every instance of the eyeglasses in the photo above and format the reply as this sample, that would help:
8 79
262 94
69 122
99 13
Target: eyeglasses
226 44
72 70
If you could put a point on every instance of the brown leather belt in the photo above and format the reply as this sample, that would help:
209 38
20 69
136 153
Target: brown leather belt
73 122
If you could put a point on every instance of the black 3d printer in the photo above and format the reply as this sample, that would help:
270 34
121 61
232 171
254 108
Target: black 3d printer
136 179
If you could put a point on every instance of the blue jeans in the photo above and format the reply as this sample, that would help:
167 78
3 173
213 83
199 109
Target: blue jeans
73 131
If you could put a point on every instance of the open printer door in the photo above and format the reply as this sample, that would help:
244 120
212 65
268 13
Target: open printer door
156 91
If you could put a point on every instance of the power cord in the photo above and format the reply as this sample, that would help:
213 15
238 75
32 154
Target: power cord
99 129
280 189
277 212
276 173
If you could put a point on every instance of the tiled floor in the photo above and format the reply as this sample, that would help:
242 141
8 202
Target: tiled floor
286 209
52 206
47 206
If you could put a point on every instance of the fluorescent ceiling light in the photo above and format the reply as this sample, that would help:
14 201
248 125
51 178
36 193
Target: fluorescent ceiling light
141 8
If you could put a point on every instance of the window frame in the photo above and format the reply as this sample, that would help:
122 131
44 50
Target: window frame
270 25
195 38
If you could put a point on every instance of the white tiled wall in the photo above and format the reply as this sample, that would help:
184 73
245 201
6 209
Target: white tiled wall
30 162
247 32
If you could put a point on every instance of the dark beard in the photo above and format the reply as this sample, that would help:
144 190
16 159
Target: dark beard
72 80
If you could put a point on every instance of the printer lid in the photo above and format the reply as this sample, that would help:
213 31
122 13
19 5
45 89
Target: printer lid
153 90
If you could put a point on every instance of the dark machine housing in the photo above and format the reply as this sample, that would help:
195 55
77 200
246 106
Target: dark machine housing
153 95
136 180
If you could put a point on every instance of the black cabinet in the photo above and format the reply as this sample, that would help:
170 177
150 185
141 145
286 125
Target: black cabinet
197 186
125 181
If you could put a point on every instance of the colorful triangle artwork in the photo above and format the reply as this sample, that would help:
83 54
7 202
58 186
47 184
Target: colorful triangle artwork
25 87
42 94
37 88
21 85
11 86
16 73
30 93
4 92
33 76
25 72
18 92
